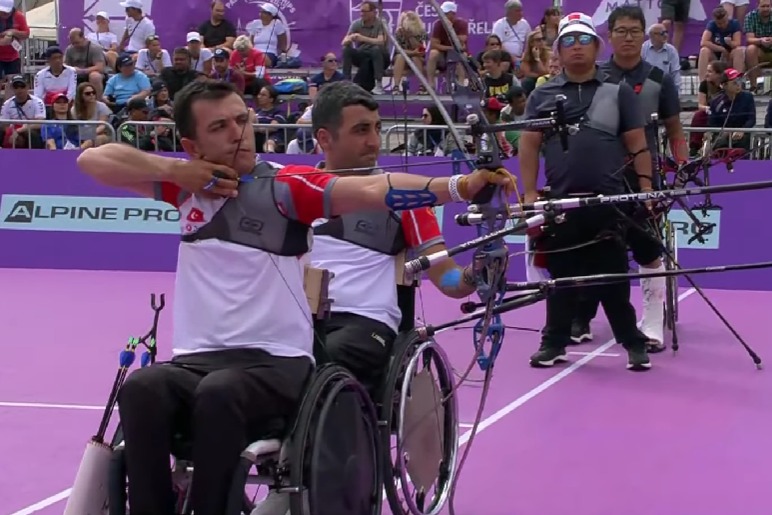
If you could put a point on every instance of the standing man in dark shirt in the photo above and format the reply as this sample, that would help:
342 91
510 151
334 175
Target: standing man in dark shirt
657 94
180 74
217 31
611 127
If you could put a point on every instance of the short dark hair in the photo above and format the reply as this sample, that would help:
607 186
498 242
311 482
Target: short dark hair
193 92
332 99
632 12
493 55
181 50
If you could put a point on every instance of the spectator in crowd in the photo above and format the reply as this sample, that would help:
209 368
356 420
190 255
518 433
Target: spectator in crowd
721 40
138 28
22 106
674 14
329 73
13 30
658 52
137 111
268 34
553 69
200 56
88 107
513 30
758 36
250 62
87 59
268 112
55 78
492 110
217 31
535 60
159 99
303 143
549 25
105 39
493 42
153 59
733 109
162 138
180 74
736 9
307 117
514 111
221 69
708 90
427 142
364 46
411 35
441 49
126 85
60 136
496 81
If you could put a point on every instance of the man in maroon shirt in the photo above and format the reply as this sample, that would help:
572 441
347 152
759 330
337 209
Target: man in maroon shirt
441 45
13 30
221 69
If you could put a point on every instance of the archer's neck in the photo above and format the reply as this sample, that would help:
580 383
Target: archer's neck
627 63
580 75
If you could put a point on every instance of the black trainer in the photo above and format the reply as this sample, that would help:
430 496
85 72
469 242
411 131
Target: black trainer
638 360
547 357
580 332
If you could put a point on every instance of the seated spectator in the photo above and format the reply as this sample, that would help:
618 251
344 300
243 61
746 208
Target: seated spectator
22 106
250 63
303 143
441 48
105 39
269 35
126 85
200 57
138 28
217 31
221 69
159 99
721 41
87 59
14 31
549 25
269 113
497 83
306 117
553 69
659 53
708 90
493 42
512 30
412 36
137 111
329 73
364 46
87 107
180 74
55 78
535 60
758 36
60 136
152 60
514 111
492 111
733 109
162 138
431 142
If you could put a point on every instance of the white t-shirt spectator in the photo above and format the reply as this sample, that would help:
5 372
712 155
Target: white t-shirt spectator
46 83
153 66
197 63
513 37
266 37
138 33
104 39
306 116
32 109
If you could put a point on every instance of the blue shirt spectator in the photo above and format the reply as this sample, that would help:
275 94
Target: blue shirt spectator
126 84
722 29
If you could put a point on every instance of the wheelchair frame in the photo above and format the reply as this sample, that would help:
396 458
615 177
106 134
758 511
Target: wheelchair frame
671 283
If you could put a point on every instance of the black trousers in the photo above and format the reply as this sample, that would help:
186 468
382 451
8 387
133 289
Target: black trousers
607 255
221 401
371 61
361 345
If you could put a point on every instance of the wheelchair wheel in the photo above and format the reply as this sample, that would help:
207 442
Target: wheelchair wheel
333 450
419 427
671 283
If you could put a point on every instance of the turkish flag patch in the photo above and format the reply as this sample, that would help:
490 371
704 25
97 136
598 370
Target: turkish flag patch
195 216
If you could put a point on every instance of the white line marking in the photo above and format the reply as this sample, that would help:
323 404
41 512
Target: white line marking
600 355
43 405
484 424
465 425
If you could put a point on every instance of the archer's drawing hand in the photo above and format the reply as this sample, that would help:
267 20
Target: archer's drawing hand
205 178
471 184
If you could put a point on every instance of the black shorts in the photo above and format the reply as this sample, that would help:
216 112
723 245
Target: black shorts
8 68
643 242
675 10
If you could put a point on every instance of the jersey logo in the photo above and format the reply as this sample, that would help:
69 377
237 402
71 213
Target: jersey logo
251 225
195 216
365 227
638 88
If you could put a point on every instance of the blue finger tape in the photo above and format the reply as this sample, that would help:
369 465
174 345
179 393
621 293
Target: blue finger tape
451 279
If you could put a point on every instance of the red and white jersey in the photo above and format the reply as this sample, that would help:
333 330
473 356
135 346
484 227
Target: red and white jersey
365 280
232 296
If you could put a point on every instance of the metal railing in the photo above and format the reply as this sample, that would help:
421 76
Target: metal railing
32 133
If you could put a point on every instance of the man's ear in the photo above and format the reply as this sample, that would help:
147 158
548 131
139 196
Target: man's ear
324 138
191 148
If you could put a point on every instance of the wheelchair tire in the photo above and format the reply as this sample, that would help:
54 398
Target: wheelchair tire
409 350
671 283
312 453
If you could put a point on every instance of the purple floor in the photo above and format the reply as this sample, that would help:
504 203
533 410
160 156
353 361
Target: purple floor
590 438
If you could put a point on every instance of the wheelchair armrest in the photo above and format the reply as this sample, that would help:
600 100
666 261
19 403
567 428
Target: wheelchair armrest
261 448
402 277
316 283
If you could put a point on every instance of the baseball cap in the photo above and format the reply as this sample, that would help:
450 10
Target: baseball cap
6 6
493 104
732 74
193 36
136 103
269 8
54 96
576 23
221 53
136 4
103 14
449 7
18 79
124 60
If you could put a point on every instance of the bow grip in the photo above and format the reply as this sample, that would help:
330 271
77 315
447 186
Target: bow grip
486 282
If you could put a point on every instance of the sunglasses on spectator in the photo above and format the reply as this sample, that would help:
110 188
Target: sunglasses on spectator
333 60
571 40
89 93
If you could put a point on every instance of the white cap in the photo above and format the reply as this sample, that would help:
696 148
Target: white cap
102 14
136 4
269 8
193 36
6 6
576 23
449 7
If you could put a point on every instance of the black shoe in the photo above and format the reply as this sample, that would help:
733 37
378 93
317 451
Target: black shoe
638 360
548 356
580 332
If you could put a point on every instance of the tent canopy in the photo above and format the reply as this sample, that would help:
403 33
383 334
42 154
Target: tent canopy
42 22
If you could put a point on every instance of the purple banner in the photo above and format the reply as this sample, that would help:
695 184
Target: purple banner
52 216
316 28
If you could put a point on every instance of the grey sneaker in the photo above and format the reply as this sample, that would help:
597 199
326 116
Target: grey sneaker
547 357
638 360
